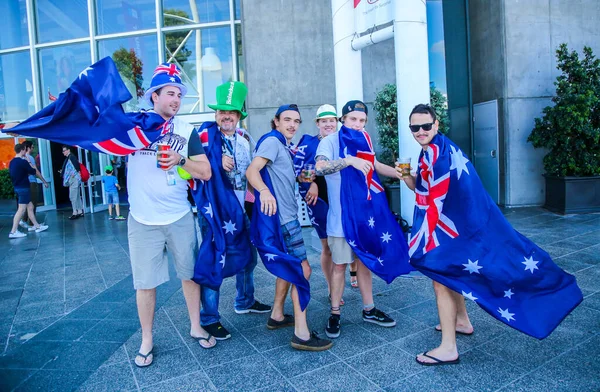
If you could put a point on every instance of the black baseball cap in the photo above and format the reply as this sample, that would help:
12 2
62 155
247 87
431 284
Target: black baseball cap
354 106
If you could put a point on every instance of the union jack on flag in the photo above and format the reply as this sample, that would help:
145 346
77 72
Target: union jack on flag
372 183
168 68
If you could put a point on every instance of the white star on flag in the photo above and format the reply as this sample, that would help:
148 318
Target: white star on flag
352 243
380 260
371 222
229 227
472 266
530 264
459 162
85 72
222 261
386 237
208 210
469 295
172 79
504 313
508 294
270 256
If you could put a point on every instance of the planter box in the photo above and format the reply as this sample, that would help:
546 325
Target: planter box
572 195
392 192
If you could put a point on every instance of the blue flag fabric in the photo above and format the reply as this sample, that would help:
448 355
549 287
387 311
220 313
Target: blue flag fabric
461 239
369 226
266 235
305 154
225 250
89 115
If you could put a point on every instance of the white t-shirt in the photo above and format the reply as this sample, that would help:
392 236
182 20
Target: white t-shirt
329 147
243 157
152 201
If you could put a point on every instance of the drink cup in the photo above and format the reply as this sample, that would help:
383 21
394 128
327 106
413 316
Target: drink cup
404 165
161 147
307 172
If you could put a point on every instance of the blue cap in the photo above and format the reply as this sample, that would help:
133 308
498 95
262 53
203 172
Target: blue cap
166 74
283 108
354 106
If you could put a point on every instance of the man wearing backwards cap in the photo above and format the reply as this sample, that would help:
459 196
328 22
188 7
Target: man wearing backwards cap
160 215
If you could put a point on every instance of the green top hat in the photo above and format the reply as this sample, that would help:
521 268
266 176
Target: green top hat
231 96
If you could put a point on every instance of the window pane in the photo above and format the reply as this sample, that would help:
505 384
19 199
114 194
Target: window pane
60 66
117 16
16 88
181 12
240 54
14 27
136 58
238 9
59 20
204 57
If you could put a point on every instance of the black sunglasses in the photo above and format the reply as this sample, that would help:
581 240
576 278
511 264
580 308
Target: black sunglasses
426 127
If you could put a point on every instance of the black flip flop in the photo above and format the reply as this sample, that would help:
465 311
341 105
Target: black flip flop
145 357
207 339
437 361
457 332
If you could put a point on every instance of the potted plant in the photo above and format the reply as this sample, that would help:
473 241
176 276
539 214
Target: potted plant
570 130
387 127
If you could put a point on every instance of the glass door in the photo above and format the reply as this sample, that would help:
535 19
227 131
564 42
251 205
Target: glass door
93 189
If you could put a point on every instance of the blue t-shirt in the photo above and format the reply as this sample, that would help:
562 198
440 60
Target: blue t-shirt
110 183
19 170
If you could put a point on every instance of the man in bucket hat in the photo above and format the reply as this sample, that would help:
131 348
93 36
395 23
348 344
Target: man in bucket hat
160 216
235 158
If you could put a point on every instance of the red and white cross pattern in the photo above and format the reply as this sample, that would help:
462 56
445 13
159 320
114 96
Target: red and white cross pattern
138 139
372 185
171 70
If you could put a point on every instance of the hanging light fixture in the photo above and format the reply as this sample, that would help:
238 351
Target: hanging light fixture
210 60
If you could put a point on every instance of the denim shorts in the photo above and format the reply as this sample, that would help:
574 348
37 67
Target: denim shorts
292 237
112 197
23 195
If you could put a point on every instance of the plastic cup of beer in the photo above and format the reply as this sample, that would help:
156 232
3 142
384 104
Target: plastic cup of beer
161 147
404 165
308 172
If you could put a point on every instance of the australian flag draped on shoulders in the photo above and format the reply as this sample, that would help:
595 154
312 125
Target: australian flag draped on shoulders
369 226
225 249
267 237
89 115
461 240
305 154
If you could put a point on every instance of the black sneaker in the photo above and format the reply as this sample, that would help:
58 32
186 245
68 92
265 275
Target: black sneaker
378 317
256 307
315 343
217 330
288 321
333 326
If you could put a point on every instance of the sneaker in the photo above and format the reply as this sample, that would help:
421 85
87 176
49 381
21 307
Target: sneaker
315 343
31 228
17 234
110 217
217 330
288 321
73 217
378 317
120 217
41 228
23 224
256 307
333 326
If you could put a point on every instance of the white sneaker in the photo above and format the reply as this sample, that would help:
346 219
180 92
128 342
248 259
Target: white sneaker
17 234
31 228
41 228
23 224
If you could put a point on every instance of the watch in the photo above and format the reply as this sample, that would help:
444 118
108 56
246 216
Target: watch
181 161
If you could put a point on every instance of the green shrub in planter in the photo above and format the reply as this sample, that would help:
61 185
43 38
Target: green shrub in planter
570 129
6 187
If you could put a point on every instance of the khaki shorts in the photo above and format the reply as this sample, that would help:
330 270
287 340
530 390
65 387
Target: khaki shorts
341 252
148 247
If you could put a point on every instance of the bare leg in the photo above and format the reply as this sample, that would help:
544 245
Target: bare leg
281 290
110 210
118 209
18 215
338 281
300 324
366 283
463 323
191 292
146 303
31 215
447 307
326 262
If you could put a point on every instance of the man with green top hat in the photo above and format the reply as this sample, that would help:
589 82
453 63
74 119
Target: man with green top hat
236 156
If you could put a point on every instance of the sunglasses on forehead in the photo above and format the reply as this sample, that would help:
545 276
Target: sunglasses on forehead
426 127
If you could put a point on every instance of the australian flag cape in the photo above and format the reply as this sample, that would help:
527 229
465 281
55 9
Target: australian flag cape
225 249
369 226
305 154
266 235
89 115
461 239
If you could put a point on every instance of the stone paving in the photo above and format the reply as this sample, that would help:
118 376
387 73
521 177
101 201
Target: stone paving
68 321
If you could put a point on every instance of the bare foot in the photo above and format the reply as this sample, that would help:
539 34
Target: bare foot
145 349
439 353
460 328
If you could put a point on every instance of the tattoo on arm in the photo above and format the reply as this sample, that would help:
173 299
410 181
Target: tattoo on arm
325 166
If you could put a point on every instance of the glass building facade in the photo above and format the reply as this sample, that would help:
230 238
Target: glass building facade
46 43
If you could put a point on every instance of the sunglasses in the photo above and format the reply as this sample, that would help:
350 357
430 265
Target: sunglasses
426 127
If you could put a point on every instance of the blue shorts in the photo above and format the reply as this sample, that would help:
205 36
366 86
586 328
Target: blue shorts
23 195
112 197
292 237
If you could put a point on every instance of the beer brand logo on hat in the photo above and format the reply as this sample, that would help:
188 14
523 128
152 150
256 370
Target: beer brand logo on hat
231 97
230 93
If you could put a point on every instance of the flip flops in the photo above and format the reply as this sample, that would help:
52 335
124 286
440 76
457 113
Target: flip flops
457 332
437 362
206 339
145 356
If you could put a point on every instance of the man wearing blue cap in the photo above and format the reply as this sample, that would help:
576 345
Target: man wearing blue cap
160 215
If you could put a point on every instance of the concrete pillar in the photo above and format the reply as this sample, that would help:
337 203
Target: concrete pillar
412 81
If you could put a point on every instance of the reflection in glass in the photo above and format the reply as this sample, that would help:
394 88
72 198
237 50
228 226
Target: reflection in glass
16 88
117 16
136 58
59 20
14 26
7 151
204 57
60 66
238 9
177 12
240 53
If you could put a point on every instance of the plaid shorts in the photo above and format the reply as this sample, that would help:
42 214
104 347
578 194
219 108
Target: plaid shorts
292 237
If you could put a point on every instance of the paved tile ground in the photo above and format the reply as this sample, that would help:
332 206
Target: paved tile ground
68 321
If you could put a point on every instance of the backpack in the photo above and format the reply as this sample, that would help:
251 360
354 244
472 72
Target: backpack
85 174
